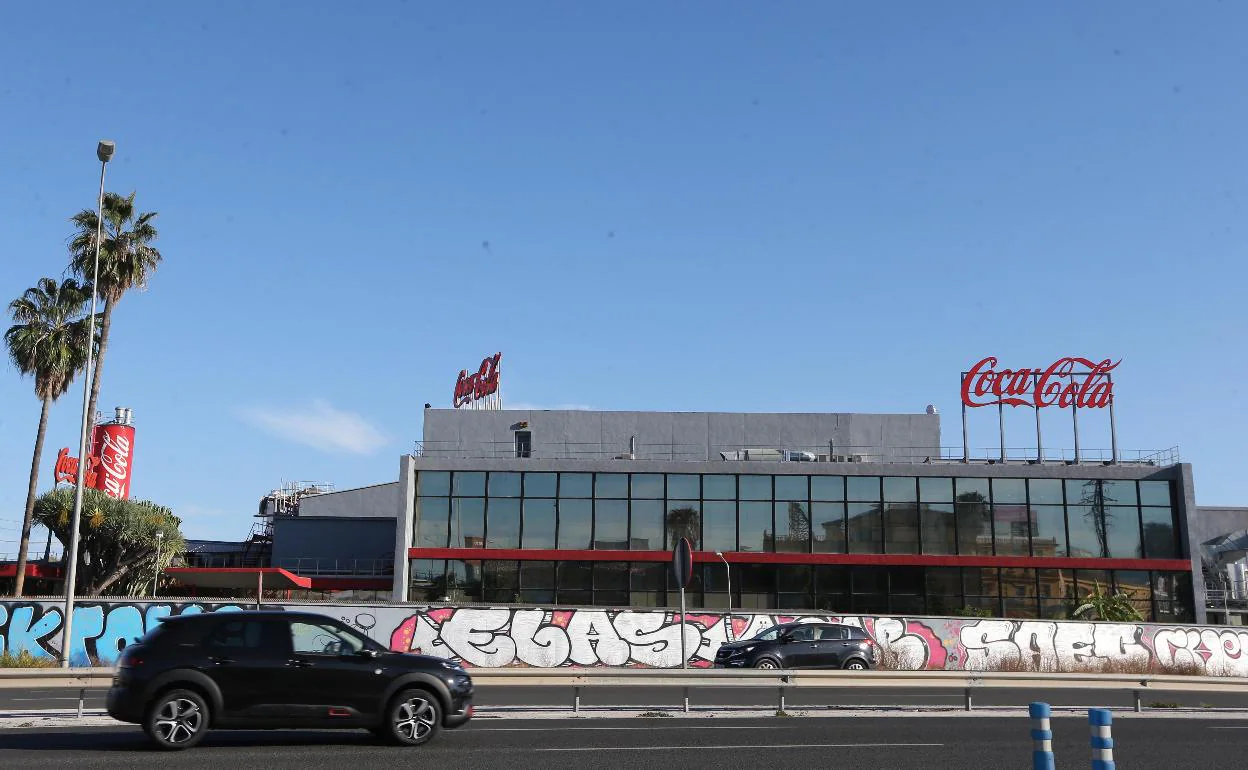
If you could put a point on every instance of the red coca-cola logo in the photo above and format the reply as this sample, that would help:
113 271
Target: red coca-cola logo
114 445
1071 381
66 469
482 383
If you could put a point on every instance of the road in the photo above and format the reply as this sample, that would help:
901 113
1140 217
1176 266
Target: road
26 700
868 742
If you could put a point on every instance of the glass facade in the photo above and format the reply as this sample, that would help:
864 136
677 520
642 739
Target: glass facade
798 514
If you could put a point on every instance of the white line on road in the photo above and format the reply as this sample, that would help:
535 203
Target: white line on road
649 729
771 746
1228 727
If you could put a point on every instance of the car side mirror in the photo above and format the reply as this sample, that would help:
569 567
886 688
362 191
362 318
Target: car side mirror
786 640
367 652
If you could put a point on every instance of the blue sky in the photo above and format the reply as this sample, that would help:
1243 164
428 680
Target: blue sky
799 206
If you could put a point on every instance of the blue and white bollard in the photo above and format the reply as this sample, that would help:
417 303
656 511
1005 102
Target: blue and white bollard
1102 743
1041 736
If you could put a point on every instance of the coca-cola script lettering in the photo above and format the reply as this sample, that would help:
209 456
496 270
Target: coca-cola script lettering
66 469
115 464
479 384
1072 381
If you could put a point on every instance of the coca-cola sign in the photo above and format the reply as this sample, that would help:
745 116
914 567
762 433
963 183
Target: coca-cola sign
1067 382
66 469
479 384
114 447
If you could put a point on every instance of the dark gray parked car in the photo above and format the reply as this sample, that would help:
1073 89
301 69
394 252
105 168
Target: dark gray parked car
802 645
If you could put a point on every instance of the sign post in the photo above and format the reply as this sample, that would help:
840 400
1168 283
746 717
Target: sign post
682 567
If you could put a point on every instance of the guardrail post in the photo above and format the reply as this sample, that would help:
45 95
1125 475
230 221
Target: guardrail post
576 700
82 696
1138 706
1100 720
968 698
1041 736
686 700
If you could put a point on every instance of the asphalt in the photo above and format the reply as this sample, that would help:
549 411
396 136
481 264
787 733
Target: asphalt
561 697
868 742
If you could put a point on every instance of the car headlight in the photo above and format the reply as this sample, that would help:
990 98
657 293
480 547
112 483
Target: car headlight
741 651
451 665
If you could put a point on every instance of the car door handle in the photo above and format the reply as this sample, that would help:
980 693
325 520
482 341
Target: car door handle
814 646
300 663
219 661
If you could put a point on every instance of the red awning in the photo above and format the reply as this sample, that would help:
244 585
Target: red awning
237 577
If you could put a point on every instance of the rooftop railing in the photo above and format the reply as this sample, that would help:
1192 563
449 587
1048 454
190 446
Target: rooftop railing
826 453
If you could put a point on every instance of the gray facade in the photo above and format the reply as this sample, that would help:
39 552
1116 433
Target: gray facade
456 433
374 501
327 545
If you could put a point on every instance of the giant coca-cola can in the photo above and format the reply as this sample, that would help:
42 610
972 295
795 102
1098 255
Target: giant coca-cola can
113 449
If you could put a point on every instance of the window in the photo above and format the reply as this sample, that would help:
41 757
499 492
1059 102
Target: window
237 635
719 525
719 487
468 484
575 582
503 524
755 487
463 581
939 533
684 519
539 524
432 517
793 526
755 526
1119 493
802 633
1048 527
647 486
828 488
1086 531
935 490
647 525
524 443
310 638
683 486
501 579
900 490
575 523
646 579
576 485
833 633
437 483
1045 491
468 522
1155 493
866 527
611 524
1011 529
1122 532
1010 491
944 590
540 484
828 525
863 489
611 485
770 635
757 584
1159 540
792 488
973 517
901 528
504 484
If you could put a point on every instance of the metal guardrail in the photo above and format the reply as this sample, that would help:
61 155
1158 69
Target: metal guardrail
782 681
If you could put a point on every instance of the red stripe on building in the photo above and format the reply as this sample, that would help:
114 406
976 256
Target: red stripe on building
850 559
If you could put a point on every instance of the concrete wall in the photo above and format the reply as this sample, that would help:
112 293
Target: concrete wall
379 500
1214 521
317 542
553 637
675 435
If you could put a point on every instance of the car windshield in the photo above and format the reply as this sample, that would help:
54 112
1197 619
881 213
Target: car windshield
770 635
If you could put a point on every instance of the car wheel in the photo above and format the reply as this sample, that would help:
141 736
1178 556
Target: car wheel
855 665
414 718
177 720
767 665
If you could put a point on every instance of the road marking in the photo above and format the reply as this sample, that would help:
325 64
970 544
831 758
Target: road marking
1228 727
656 727
771 746
74 698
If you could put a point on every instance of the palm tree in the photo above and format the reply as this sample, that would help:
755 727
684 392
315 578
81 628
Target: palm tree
47 341
127 260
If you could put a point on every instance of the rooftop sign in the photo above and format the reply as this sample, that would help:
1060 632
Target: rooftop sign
1067 382
479 390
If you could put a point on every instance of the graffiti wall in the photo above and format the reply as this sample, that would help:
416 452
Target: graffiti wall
497 637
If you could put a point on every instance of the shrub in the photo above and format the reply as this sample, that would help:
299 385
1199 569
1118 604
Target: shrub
25 660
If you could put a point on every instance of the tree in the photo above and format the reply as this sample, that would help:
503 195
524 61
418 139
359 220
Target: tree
119 551
127 261
48 341
683 522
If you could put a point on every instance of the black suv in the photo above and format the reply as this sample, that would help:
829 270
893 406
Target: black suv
281 669
801 645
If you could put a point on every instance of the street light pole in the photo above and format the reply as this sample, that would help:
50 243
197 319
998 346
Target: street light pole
160 538
728 619
104 151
